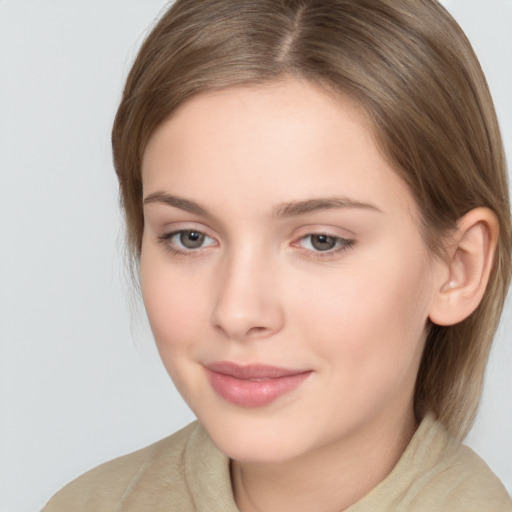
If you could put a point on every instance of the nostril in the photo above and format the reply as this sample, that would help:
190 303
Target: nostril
256 331
244 308
242 333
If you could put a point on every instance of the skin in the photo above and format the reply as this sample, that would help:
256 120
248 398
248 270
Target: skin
259 291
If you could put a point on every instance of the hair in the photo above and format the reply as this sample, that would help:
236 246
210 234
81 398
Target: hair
412 70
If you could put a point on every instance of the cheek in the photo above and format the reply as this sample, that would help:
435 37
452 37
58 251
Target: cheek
173 302
372 317
173 306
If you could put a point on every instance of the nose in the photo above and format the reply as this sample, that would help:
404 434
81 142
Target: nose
247 304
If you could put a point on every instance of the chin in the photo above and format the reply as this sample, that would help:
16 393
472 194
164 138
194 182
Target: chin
255 451
256 439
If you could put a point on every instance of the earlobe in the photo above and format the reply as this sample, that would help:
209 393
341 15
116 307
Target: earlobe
470 256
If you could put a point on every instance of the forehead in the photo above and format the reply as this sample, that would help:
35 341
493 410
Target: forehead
282 141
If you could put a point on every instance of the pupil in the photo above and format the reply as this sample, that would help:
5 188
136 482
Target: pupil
323 242
191 239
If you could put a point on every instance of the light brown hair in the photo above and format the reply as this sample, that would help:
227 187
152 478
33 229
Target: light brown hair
410 67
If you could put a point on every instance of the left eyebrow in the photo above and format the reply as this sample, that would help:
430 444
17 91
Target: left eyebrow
296 208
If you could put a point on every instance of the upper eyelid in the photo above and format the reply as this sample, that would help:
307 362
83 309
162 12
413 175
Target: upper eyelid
325 232
326 229
178 227
309 228
170 234
335 237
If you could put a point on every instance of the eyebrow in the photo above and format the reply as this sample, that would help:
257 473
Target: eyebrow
178 202
284 210
296 208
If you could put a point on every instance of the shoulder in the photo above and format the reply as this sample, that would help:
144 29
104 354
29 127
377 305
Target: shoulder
450 476
437 472
463 481
141 475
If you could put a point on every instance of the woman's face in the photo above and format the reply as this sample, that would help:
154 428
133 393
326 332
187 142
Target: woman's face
285 278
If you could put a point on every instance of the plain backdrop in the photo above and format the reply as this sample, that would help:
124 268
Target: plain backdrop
80 379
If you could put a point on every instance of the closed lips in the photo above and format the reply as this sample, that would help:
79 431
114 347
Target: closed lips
253 385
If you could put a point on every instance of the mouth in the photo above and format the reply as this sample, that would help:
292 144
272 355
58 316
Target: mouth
255 385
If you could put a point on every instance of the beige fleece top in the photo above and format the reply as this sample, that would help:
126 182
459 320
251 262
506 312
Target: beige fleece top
186 472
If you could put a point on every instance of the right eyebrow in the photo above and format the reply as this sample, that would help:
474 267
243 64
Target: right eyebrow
176 202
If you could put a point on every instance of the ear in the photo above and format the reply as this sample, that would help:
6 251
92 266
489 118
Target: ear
466 270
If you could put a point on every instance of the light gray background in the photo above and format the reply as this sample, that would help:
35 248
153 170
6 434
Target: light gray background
80 379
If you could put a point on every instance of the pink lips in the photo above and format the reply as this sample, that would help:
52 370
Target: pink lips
252 385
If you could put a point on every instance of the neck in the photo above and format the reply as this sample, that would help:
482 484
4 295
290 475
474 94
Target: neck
329 479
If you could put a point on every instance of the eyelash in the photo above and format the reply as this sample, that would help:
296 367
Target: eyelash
341 244
166 240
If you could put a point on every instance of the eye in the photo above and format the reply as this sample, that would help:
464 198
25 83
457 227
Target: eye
186 240
322 242
190 239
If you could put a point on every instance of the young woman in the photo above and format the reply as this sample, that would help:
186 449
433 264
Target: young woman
316 197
